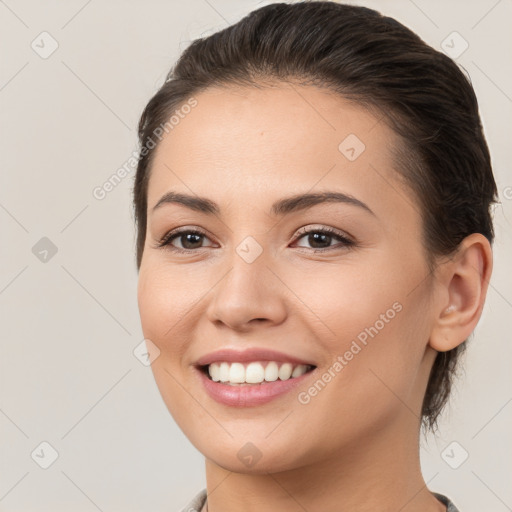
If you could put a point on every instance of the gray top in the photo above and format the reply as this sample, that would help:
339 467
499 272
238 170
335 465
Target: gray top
199 500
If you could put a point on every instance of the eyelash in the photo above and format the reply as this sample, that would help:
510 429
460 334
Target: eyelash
166 240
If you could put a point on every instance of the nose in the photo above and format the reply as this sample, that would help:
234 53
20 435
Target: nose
248 295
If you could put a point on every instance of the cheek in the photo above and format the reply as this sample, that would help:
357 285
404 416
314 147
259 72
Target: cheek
163 302
165 296
344 299
151 297
161 305
368 382
372 327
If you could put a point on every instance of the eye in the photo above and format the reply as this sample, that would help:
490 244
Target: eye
190 240
321 238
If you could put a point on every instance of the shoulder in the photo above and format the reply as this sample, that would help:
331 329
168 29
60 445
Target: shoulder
450 507
197 502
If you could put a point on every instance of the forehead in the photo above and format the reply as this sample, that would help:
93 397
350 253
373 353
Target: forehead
258 144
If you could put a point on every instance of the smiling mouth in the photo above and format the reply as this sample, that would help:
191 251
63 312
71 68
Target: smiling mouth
253 373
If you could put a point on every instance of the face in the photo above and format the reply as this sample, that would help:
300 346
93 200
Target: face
337 286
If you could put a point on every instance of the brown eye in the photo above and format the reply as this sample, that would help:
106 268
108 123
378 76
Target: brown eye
190 240
320 239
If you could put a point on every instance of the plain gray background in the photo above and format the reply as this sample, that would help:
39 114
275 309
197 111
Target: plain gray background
70 324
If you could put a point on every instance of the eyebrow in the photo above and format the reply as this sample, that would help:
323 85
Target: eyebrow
281 207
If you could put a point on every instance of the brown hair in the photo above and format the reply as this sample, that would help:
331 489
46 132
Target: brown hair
380 64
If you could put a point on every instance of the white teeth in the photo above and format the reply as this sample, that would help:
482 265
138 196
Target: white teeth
214 371
224 372
271 371
299 370
255 372
237 373
285 371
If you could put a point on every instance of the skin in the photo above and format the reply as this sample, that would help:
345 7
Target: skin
355 445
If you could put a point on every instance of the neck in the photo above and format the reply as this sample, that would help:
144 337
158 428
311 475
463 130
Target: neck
381 473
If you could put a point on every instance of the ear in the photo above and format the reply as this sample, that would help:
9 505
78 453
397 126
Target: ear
464 281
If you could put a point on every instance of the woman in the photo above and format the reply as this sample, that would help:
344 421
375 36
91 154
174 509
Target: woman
314 248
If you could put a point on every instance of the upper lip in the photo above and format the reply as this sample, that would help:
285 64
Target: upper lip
247 355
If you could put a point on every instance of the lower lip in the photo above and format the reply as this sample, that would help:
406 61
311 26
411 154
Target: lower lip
251 394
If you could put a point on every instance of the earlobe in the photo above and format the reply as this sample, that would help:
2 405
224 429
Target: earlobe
465 283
